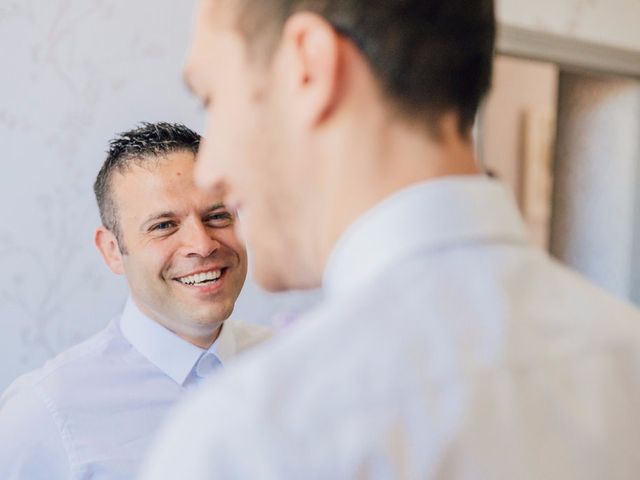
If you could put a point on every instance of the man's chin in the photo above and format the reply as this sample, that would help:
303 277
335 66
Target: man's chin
210 317
202 313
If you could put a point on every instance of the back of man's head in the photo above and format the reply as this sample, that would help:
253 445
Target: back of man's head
429 56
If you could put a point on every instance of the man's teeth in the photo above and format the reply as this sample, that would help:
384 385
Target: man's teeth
200 278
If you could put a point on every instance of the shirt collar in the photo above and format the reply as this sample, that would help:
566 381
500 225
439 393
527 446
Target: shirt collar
425 216
170 353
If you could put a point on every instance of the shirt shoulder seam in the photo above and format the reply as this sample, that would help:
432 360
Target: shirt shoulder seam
63 431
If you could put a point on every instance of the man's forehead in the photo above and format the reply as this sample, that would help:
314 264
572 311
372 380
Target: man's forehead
155 171
146 192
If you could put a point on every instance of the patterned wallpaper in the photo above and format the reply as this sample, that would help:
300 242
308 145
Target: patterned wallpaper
73 73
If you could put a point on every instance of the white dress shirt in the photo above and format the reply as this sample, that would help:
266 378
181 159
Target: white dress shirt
91 412
447 348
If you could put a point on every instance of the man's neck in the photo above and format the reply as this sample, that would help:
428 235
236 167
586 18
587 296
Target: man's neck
396 157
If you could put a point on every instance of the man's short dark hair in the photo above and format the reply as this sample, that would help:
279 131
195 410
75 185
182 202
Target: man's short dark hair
148 142
430 56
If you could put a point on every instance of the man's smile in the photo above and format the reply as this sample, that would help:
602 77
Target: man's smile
201 278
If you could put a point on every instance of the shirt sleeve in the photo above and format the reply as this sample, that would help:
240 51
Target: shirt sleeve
31 445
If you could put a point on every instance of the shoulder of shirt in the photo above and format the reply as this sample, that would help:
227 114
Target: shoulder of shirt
248 335
57 368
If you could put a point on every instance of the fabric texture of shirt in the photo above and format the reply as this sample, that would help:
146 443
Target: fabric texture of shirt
91 412
447 347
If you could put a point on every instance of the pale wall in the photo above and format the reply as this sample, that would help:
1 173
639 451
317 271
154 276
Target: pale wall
596 180
608 22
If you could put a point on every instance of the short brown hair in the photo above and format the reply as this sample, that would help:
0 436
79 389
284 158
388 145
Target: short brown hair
430 56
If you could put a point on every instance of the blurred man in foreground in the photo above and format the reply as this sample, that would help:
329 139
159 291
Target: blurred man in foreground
447 345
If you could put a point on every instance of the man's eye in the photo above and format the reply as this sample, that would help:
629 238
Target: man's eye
220 219
162 226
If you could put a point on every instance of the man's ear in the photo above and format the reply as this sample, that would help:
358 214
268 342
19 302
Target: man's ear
107 245
311 57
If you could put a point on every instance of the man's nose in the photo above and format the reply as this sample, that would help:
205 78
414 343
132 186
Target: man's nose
199 240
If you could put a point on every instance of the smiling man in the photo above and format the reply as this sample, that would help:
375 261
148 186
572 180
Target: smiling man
446 346
91 411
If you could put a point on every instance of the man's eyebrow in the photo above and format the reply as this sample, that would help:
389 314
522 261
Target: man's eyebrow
215 206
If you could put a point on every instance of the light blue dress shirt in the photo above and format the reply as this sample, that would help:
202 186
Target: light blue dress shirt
91 412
